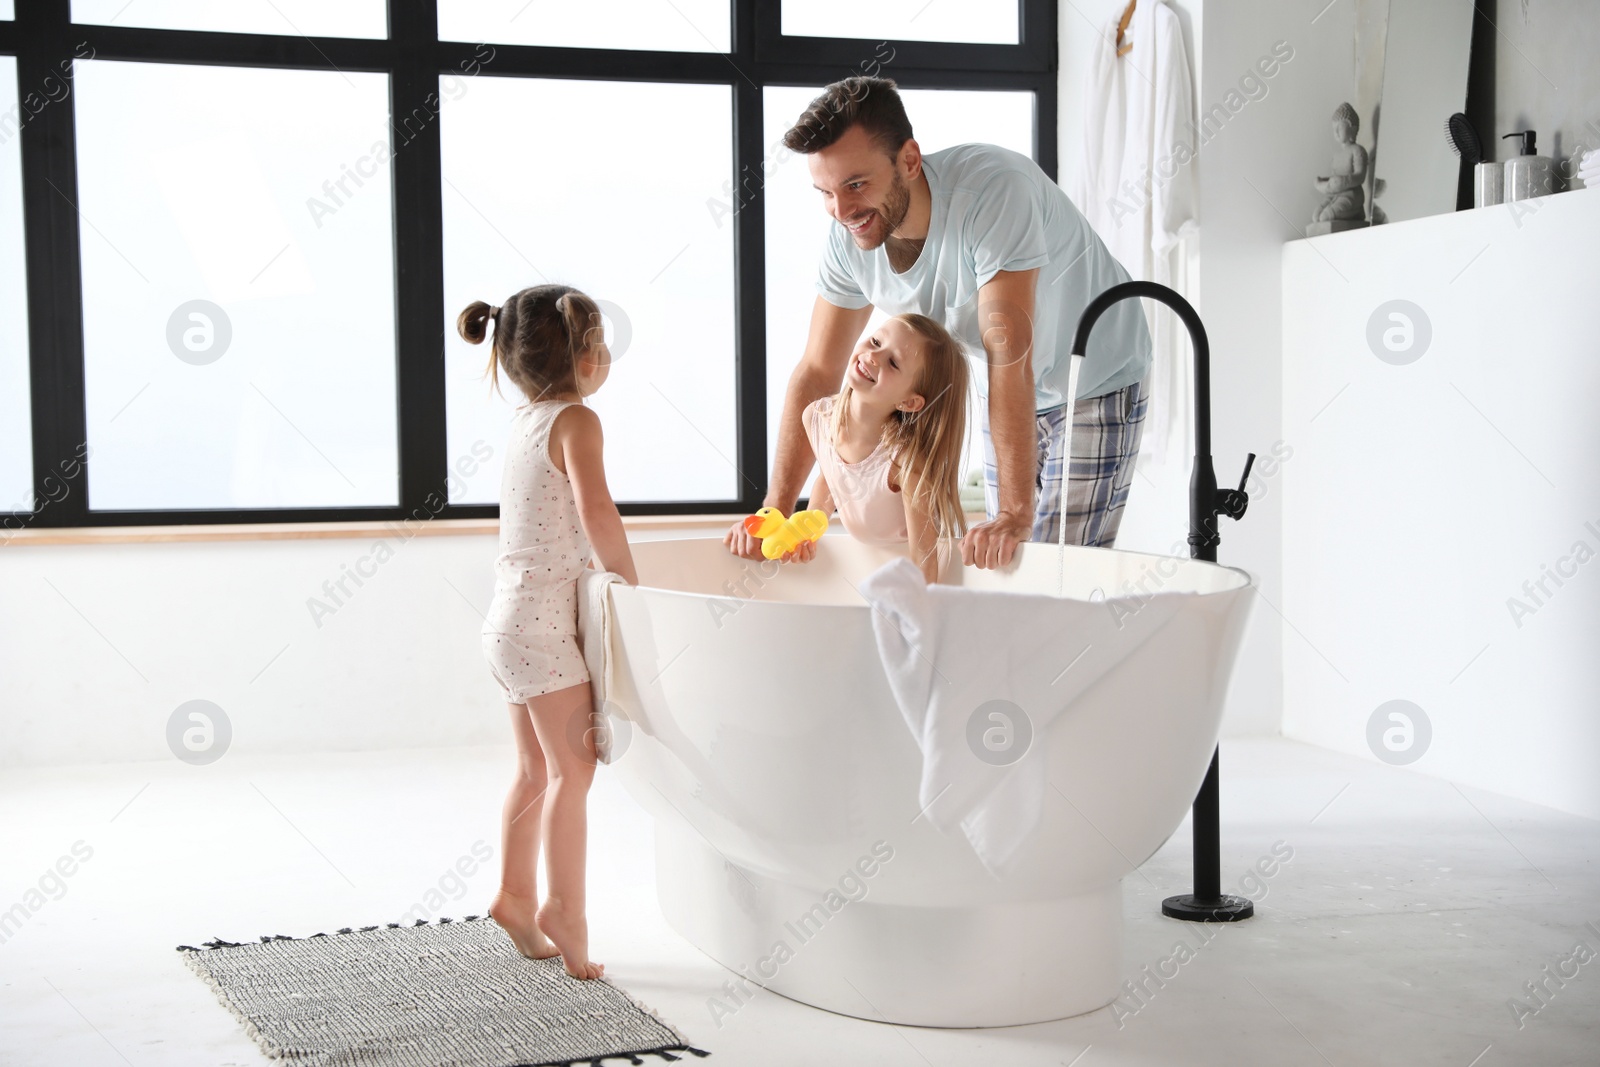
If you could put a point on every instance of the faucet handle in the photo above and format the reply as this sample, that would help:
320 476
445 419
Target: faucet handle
1233 502
1249 461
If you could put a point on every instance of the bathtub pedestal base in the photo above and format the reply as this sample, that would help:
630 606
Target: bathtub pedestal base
844 949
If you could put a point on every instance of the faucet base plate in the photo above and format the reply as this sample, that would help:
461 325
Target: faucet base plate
1224 909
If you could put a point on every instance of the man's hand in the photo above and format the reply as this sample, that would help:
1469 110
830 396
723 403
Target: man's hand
742 543
747 546
993 543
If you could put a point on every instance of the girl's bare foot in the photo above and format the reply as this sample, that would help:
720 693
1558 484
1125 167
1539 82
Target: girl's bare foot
569 929
515 914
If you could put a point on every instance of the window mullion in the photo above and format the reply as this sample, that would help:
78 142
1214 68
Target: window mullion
418 258
52 270
749 260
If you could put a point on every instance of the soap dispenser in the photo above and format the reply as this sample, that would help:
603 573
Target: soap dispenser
1529 174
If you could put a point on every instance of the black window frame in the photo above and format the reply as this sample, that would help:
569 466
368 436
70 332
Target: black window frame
43 36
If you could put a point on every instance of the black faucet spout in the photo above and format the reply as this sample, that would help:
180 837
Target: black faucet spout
1206 502
1208 903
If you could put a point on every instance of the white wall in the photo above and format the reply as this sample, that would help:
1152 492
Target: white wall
100 643
1255 169
1422 496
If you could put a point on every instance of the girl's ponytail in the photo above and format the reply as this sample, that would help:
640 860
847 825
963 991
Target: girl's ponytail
473 322
539 334
580 318
473 326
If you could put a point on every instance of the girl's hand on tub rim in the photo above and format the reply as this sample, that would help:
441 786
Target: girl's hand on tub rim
804 552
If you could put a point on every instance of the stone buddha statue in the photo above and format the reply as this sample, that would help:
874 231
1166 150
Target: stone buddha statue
1345 204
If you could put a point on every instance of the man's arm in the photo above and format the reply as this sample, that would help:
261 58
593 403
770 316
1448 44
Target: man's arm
1005 308
833 334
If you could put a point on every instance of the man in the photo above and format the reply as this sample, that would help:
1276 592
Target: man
981 239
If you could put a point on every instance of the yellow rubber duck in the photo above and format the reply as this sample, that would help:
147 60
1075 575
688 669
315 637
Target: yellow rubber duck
779 535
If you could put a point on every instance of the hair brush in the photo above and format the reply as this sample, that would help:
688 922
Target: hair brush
1464 139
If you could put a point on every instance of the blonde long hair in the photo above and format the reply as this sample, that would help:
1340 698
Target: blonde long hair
928 445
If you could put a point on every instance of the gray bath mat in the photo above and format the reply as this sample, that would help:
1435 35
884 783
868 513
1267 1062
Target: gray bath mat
455 993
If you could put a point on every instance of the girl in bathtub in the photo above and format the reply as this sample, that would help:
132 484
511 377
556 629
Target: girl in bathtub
555 512
889 445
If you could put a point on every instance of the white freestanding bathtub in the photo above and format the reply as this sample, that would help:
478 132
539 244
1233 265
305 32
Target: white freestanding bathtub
765 740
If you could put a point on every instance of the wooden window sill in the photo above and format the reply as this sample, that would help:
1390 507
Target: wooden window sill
299 531
295 531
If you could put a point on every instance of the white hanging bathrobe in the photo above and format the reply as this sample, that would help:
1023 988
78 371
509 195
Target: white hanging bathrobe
1136 185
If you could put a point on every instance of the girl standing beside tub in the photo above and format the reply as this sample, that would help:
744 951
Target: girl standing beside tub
889 445
555 512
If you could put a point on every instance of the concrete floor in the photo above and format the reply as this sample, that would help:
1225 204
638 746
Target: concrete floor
1411 913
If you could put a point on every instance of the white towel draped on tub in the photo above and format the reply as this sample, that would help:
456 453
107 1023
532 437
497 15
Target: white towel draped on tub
977 671
613 695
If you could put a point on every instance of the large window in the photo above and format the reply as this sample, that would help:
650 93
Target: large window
234 238
678 26
317 18
628 228
238 295
907 20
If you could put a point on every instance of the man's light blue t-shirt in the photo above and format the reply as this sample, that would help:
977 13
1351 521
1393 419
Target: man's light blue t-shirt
993 210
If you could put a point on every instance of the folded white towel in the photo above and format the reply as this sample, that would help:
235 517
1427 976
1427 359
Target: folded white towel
980 671
614 699
1589 168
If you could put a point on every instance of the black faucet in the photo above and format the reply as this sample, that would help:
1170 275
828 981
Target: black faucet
1207 903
